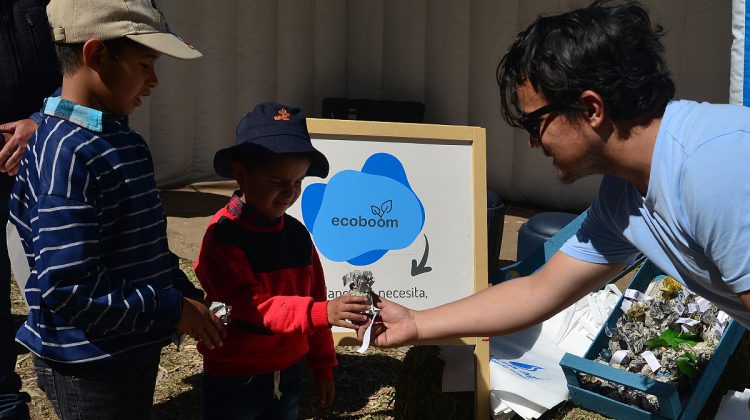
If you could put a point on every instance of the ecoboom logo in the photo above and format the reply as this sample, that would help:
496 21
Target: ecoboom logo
361 221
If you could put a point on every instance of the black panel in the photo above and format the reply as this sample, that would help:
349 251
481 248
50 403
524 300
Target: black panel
268 251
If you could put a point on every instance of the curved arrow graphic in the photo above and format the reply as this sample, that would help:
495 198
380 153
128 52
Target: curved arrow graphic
421 268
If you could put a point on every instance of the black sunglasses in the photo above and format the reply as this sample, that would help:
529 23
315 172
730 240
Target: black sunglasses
530 121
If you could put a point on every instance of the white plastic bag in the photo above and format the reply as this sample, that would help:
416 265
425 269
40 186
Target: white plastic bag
19 265
525 374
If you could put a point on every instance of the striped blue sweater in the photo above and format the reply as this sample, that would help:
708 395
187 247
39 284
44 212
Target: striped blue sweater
104 287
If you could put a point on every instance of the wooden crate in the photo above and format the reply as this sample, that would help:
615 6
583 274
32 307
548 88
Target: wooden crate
672 404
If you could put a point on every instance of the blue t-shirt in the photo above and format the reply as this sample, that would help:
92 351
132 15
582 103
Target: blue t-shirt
694 222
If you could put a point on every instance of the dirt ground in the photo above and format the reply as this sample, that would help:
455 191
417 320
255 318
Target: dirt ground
402 383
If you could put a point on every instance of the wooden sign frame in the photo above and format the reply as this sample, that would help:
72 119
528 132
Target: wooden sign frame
425 134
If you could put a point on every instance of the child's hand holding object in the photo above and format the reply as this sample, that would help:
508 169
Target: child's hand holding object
348 311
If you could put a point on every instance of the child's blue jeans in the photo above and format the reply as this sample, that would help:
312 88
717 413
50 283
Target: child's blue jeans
128 394
252 397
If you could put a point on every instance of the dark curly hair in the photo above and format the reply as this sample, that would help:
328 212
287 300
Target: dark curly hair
608 47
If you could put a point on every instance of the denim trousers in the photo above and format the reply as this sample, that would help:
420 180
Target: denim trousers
252 397
126 394
12 401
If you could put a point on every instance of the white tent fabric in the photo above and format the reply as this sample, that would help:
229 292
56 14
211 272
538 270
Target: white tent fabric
442 53
739 80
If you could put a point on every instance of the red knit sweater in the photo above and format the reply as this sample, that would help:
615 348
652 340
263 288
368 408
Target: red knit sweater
272 278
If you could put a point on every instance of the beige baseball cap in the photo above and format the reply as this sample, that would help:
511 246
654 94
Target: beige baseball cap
77 21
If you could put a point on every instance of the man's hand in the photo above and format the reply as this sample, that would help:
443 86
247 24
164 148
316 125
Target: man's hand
394 327
346 308
326 393
201 324
14 145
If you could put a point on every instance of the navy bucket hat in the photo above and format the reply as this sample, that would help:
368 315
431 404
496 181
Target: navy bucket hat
271 128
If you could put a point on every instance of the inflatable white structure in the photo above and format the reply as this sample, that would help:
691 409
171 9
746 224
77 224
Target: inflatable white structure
739 89
442 53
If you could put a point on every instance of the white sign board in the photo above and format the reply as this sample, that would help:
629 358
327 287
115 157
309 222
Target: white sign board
404 206
407 202
424 232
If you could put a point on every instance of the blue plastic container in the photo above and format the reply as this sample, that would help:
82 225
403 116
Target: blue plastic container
672 405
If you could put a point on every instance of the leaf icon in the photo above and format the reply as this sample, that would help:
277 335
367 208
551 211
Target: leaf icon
376 211
387 206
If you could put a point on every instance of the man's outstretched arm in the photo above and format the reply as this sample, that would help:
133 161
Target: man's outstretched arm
499 310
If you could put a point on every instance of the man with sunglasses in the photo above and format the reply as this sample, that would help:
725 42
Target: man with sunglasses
592 89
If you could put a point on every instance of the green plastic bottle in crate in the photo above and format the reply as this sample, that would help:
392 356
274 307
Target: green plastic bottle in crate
672 403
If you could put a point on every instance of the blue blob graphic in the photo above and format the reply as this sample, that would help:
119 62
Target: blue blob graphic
386 165
311 204
359 216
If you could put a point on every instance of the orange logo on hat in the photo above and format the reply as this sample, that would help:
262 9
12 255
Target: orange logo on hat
283 115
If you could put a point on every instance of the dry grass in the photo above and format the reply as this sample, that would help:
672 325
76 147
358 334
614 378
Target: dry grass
365 384
401 383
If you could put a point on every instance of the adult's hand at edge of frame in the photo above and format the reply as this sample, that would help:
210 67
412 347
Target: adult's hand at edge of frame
14 145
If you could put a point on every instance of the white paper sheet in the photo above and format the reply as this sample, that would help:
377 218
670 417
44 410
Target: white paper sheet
734 406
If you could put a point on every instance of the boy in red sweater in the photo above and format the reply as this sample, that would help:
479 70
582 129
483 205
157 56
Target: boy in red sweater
262 262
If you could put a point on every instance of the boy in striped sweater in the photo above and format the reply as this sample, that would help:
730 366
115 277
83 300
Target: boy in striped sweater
105 293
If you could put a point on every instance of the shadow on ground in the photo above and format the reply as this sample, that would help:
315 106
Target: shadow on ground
18 320
378 386
419 389
191 203
358 378
186 405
